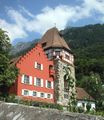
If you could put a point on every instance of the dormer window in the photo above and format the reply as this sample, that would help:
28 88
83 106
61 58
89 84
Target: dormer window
44 44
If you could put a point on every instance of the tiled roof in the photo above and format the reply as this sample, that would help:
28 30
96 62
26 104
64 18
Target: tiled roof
82 94
53 38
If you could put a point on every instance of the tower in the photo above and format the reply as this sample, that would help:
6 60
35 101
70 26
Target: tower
57 50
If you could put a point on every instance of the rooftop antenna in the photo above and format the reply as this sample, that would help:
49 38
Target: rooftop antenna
55 25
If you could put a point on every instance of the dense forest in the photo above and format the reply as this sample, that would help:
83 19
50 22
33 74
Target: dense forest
87 44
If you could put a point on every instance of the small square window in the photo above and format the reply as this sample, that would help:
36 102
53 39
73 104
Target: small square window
34 93
57 53
42 95
26 92
38 66
48 96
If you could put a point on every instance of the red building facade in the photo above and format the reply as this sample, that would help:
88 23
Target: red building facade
36 76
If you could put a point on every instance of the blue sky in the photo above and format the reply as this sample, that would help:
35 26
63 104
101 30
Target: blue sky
26 20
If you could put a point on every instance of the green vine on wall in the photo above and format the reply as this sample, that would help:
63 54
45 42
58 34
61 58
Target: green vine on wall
70 83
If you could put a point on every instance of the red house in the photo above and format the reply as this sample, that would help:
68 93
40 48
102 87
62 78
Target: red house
42 71
36 76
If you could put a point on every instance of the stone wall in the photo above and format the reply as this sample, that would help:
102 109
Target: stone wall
9 111
59 81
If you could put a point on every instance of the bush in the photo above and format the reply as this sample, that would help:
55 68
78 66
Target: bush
88 106
80 109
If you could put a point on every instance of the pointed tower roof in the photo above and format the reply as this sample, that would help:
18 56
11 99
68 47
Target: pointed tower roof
53 38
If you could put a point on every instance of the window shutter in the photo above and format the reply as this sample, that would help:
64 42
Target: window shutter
30 80
52 85
22 92
41 66
34 80
38 94
35 64
51 96
41 82
22 79
45 95
30 93
46 83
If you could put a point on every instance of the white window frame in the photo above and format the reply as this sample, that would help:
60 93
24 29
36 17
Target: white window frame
52 84
41 82
30 79
34 95
43 95
23 91
41 66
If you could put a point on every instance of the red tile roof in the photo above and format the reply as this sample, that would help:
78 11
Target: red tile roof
82 94
52 38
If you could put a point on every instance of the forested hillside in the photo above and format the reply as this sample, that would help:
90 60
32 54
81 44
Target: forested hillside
87 44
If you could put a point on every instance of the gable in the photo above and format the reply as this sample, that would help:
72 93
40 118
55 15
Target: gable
36 54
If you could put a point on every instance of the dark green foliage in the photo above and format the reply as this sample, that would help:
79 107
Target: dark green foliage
8 72
87 43
88 106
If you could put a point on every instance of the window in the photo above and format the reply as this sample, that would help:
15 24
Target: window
38 82
42 95
48 96
44 44
26 92
34 93
48 84
57 53
38 66
26 79
66 96
67 57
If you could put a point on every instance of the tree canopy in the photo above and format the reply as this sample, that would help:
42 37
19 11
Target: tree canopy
8 72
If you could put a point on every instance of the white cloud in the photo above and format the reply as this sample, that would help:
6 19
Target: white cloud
24 21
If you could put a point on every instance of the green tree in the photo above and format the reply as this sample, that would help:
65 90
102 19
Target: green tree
8 72
93 85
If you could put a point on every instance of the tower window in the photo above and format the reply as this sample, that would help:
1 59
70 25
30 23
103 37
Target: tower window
44 44
66 96
57 53
67 57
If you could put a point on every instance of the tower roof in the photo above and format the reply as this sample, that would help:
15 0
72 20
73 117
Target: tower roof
53 38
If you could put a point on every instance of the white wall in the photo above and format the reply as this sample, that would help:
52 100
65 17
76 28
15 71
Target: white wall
80 104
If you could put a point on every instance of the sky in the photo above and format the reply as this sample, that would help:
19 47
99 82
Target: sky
26 20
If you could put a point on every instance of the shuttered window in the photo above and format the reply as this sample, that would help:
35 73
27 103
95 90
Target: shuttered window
26 79
38 66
